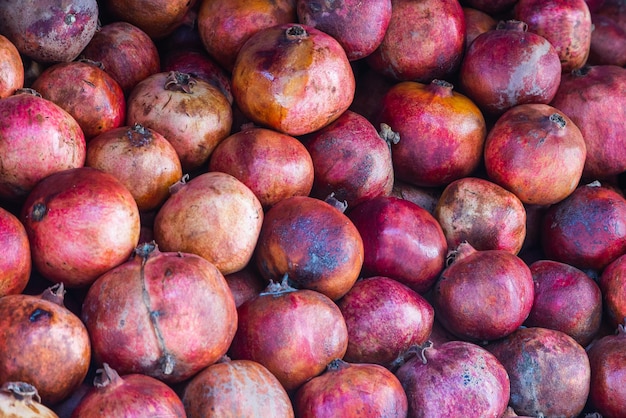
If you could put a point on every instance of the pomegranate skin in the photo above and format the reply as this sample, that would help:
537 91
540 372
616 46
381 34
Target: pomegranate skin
456 378
587 229
15 265
442 132
164 314
401 241
437 26
492 7
608 41
292 78
384 318
352 389
508 66
476 23
11 68
548 370
612 282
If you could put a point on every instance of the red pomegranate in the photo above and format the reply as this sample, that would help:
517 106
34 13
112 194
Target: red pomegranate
12 72
442 132
302 83
537 152
352 389
128 395
492 7
613 286
480 212
157 18
508 66
54 336
164 314
236 388
424 197
483 295
15 265
476 22
437 26
81 223
608 42
245 284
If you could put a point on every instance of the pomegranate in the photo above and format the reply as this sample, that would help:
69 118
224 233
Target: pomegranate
236 388
273 165
54 141
566 299
80 223
347 390
492 7
586 230
608 42
483 295
292 78
311 242
442 132
139 157
537 152
384 318
612 282
482 213
126 52
86 92
12 72
49 31
20 399
293 333
190 113
15 265
607 359
245 284
358 26
548 370
401 241
508 66
592 97
54 336
424 197
565 23
371 86
437 26
215 216
128 395
164 314
594 5
457 378
157 18
225 25
350 160
476 22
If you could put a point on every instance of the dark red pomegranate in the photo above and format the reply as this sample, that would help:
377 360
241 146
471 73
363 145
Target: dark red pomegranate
245 284
548 370
384 318
164 314
492 7
483 295
586 230
352 389
15 265
457 378
437 26
482 213
612 282
293 333
476 23
608 42
508 66
566 299
401 241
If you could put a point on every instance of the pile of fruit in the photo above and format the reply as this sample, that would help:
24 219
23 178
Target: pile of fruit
279 208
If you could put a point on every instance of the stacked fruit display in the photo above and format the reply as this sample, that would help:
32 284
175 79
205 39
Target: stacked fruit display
391 208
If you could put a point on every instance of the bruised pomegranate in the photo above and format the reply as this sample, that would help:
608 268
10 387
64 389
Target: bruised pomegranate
548 370
482 213
483 295
508 66
134 311
437 26
384 318
21 399
236 388
441 132
292 78
12 71
358 26
215 216
15 265
612 282
80 223
293 333
537 152
456 378
311 242
352 389
128 395
39 331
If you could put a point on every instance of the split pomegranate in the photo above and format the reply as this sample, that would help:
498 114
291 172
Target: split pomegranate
164 314
15 265
20 399
58 352
612 282
12 71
